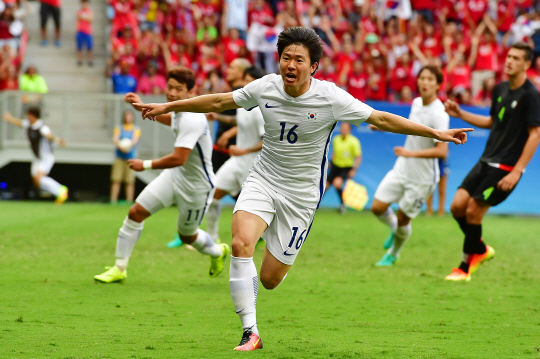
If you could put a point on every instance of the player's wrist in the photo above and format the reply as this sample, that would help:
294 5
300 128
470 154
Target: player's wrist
147 164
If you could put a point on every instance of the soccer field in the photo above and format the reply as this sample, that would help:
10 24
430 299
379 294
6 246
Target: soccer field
333 304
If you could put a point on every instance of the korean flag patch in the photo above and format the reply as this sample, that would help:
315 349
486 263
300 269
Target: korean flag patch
311 116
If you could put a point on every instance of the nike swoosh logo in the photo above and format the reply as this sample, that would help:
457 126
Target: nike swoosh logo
257 342
240 311
270 106
288 254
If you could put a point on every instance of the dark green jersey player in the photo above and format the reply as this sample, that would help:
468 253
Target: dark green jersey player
515 133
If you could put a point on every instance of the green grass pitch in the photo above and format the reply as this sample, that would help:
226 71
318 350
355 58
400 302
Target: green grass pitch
333 304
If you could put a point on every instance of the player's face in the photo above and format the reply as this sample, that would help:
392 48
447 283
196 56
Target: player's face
427 84
234 71
515 62
295 66
176 90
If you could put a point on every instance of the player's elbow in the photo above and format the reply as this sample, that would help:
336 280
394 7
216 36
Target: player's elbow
178 161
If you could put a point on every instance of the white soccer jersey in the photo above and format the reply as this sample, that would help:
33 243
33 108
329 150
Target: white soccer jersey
297 133
41 145
422 170
191 131
250 132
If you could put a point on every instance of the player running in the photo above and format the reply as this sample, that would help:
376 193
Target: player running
42 143
346 159
249 130
514 121
286 182
187 181
416 171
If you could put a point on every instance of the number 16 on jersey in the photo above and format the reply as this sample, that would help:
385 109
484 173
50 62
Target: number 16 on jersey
299 241
292 137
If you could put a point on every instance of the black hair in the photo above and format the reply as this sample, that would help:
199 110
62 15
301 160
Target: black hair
255 72
435 70
183 75
523 46
301 35
34 111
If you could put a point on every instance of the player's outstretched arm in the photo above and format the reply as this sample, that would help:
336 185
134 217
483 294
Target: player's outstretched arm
175 159
393 123
56 139
133 98
453 109
11 119
201 104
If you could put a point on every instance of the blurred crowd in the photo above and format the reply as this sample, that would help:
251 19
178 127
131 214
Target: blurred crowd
12 15
372 48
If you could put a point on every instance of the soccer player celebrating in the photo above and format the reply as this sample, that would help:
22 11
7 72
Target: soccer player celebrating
42 143
187 181
514 121
346 159
416 171
249 130
286 182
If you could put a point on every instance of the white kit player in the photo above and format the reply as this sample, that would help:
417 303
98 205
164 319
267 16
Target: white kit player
249 130
286 182
416 171
42 142
187 181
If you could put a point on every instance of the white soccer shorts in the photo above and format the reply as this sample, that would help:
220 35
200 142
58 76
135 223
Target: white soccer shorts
43 164
288 223
409 196
231 176
162 193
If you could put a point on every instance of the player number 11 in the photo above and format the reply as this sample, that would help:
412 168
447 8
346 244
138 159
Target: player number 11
292 137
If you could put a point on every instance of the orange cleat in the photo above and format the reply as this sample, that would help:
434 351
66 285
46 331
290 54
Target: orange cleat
476 259
458 274
250 341
62 195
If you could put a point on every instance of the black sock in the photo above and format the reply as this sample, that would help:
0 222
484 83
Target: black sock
464 267
462 221
340 192
473 239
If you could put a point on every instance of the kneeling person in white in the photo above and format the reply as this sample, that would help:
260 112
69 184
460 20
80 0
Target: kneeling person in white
416 171
42 143
187 181
249 131
286 182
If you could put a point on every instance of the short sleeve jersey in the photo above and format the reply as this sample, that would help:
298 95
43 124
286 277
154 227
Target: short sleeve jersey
422 170
346 149
250 132
297 133
513 112
191 131
36 132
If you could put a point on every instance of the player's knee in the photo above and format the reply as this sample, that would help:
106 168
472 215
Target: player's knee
35 181
270 282
137 213
472 214
457 209
377 209
241 247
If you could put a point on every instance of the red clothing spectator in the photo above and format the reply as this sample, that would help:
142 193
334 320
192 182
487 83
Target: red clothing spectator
232 45
259 11
487 58
476 9
377 86
326 76
207 8
423 4
506 11
357 85
534 75
150 84
460 77
400 77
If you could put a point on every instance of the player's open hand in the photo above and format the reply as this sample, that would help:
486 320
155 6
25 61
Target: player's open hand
7 116
152 110
456 135
136 165
508 182
452 108
236 151
133 98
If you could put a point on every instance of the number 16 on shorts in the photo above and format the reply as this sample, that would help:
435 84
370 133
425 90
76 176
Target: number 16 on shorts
296 243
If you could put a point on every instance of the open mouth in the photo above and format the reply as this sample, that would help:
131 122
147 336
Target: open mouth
290 77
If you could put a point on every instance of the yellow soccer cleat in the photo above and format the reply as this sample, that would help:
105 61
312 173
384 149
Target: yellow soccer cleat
458 275
62 195
477 259
216 264
111 276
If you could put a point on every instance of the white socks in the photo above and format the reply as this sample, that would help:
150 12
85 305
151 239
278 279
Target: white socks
206 245
49 185
389 218
127 238
212 219
401 237
244 285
